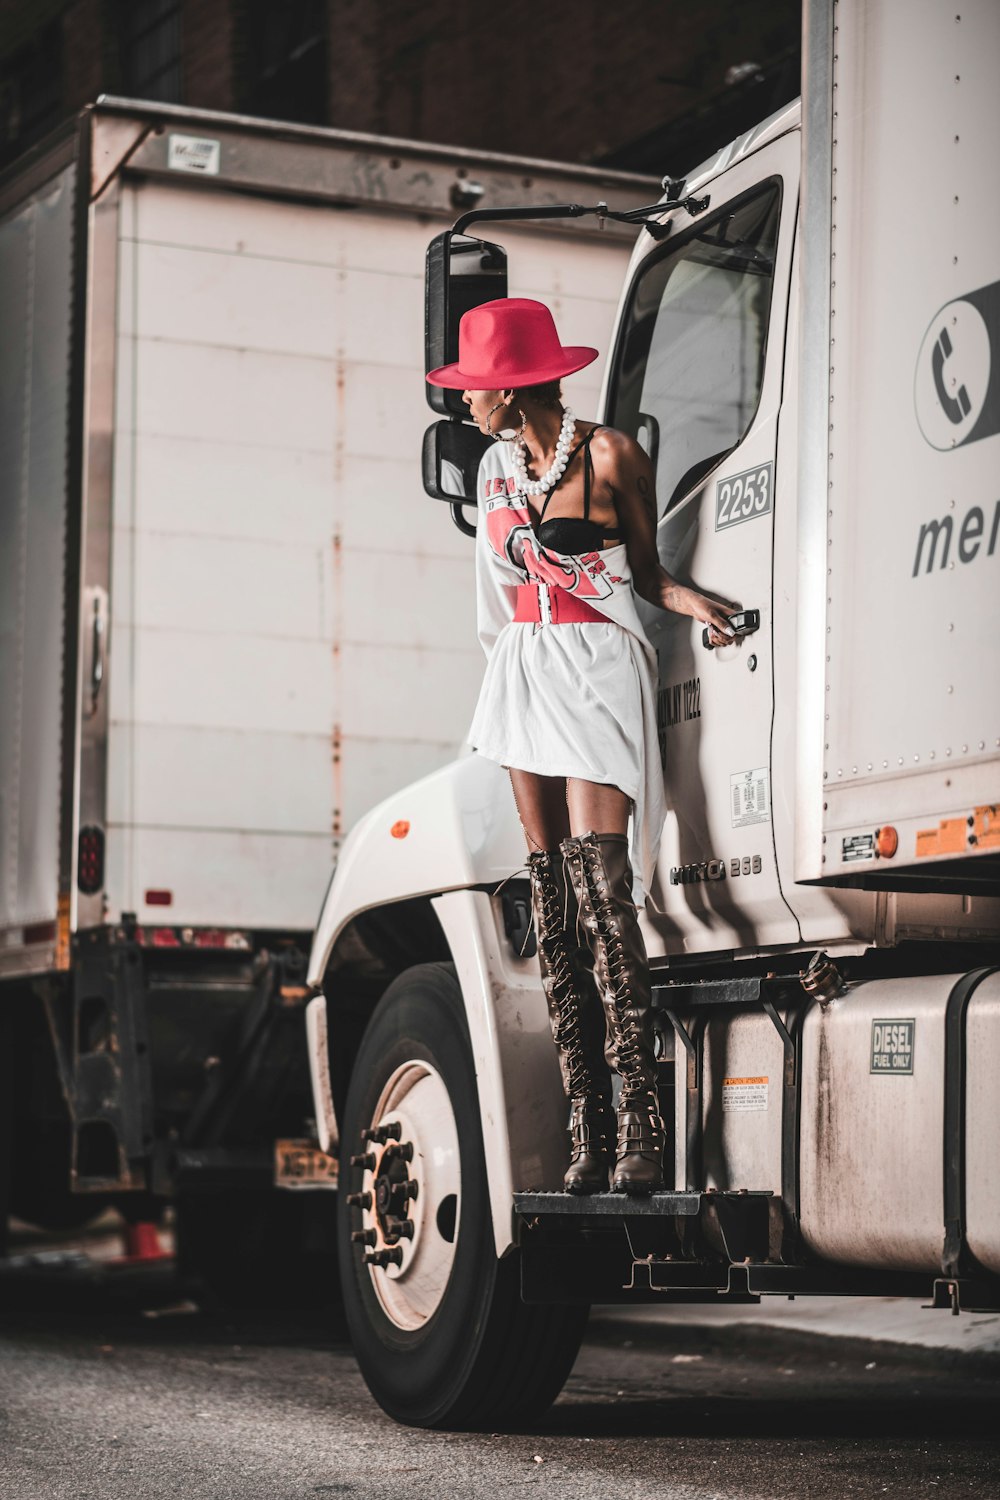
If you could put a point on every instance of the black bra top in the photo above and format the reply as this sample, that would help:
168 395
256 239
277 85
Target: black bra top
574 535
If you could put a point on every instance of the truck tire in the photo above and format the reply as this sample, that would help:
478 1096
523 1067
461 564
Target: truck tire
439 1330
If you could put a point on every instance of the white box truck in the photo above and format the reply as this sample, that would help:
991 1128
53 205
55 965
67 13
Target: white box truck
808 345
228 623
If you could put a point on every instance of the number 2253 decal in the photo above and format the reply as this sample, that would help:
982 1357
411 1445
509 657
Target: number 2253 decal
740 497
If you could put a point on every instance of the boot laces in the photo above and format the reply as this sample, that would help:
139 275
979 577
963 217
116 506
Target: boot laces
624 1021
566 1004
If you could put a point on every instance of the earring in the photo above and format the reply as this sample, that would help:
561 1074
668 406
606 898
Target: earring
498 437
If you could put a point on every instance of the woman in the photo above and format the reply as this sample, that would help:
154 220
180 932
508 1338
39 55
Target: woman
566 538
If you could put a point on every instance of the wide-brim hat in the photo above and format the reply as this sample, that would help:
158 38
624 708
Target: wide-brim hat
511 341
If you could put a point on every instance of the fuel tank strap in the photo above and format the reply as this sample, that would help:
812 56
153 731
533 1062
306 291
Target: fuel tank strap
956 1258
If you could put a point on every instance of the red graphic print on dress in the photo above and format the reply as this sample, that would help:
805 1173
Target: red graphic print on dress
511 536
582 578
503 522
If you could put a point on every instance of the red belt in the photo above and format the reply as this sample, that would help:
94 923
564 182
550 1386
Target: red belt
545 603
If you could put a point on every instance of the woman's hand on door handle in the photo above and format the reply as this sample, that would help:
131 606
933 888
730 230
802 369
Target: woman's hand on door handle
685 601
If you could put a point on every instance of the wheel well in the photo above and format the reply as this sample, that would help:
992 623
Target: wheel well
372 949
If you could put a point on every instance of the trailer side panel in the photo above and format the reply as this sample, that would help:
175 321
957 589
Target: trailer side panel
36 242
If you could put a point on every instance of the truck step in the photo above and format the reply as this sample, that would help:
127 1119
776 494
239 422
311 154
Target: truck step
666 1205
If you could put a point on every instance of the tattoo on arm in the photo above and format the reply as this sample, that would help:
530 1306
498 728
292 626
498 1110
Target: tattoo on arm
644 487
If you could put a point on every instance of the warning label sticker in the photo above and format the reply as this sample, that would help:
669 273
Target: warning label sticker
742 1094
193 153
750 796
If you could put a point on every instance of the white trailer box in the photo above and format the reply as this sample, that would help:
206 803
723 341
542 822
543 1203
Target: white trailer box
901 336
230 620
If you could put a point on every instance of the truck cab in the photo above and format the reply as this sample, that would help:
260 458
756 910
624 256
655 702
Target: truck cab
823 929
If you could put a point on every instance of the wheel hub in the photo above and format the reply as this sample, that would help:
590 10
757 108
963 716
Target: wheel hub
409 1194
394 1191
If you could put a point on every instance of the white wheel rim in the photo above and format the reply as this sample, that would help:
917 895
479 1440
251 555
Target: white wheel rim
415 1101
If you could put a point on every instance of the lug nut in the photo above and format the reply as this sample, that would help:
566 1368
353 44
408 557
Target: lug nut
405 1229
404 1152
367 1161
364 1237
359 1200
384 1258
412 1187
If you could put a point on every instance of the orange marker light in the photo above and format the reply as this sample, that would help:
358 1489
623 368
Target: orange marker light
400 829
887 841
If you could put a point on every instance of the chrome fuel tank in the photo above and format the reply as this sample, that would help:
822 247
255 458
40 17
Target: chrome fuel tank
886 1080
982 1124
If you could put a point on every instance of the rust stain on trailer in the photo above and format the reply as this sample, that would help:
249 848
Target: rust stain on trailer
825 1127
336 757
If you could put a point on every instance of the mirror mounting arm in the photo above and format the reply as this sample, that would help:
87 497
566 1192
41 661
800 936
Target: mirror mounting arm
648 214
464 526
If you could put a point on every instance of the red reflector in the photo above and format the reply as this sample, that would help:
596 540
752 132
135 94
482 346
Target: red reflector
887 841
159 898
210 938
163 937
40 932
400 828
90 860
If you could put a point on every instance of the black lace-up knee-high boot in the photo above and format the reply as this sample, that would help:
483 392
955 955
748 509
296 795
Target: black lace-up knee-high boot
598 867
577 1021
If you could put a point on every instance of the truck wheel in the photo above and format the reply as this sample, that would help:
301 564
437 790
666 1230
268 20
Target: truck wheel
437 1322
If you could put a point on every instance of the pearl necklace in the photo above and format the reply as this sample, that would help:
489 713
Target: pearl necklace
550 477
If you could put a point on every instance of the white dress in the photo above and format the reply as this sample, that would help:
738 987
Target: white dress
565 699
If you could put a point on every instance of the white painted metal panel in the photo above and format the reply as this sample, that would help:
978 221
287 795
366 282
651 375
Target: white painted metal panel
913 661
35 310
249 683
719 727
521 1102
293 622
197 765
742 1084
391 691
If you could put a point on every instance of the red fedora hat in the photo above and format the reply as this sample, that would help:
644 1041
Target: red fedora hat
509 342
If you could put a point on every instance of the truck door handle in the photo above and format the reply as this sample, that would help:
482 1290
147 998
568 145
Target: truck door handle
745 622
96 605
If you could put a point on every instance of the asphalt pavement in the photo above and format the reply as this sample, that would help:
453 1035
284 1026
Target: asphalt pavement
115 1387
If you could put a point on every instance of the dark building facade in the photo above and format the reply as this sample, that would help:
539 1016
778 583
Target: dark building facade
652 85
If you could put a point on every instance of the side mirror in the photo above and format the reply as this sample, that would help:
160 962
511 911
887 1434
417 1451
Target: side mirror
460 273
451 455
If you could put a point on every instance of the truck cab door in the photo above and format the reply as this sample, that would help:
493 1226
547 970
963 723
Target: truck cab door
698 380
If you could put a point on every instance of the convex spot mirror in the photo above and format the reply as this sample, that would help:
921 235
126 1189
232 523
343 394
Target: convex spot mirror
452 451
461 273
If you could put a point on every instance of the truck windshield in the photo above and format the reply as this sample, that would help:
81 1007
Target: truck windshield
691 358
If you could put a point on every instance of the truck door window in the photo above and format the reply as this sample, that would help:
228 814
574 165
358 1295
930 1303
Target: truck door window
691 353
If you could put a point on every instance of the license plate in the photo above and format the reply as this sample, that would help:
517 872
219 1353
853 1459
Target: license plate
300 1164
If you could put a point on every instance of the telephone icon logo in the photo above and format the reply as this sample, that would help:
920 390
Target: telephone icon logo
956 408
953 375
